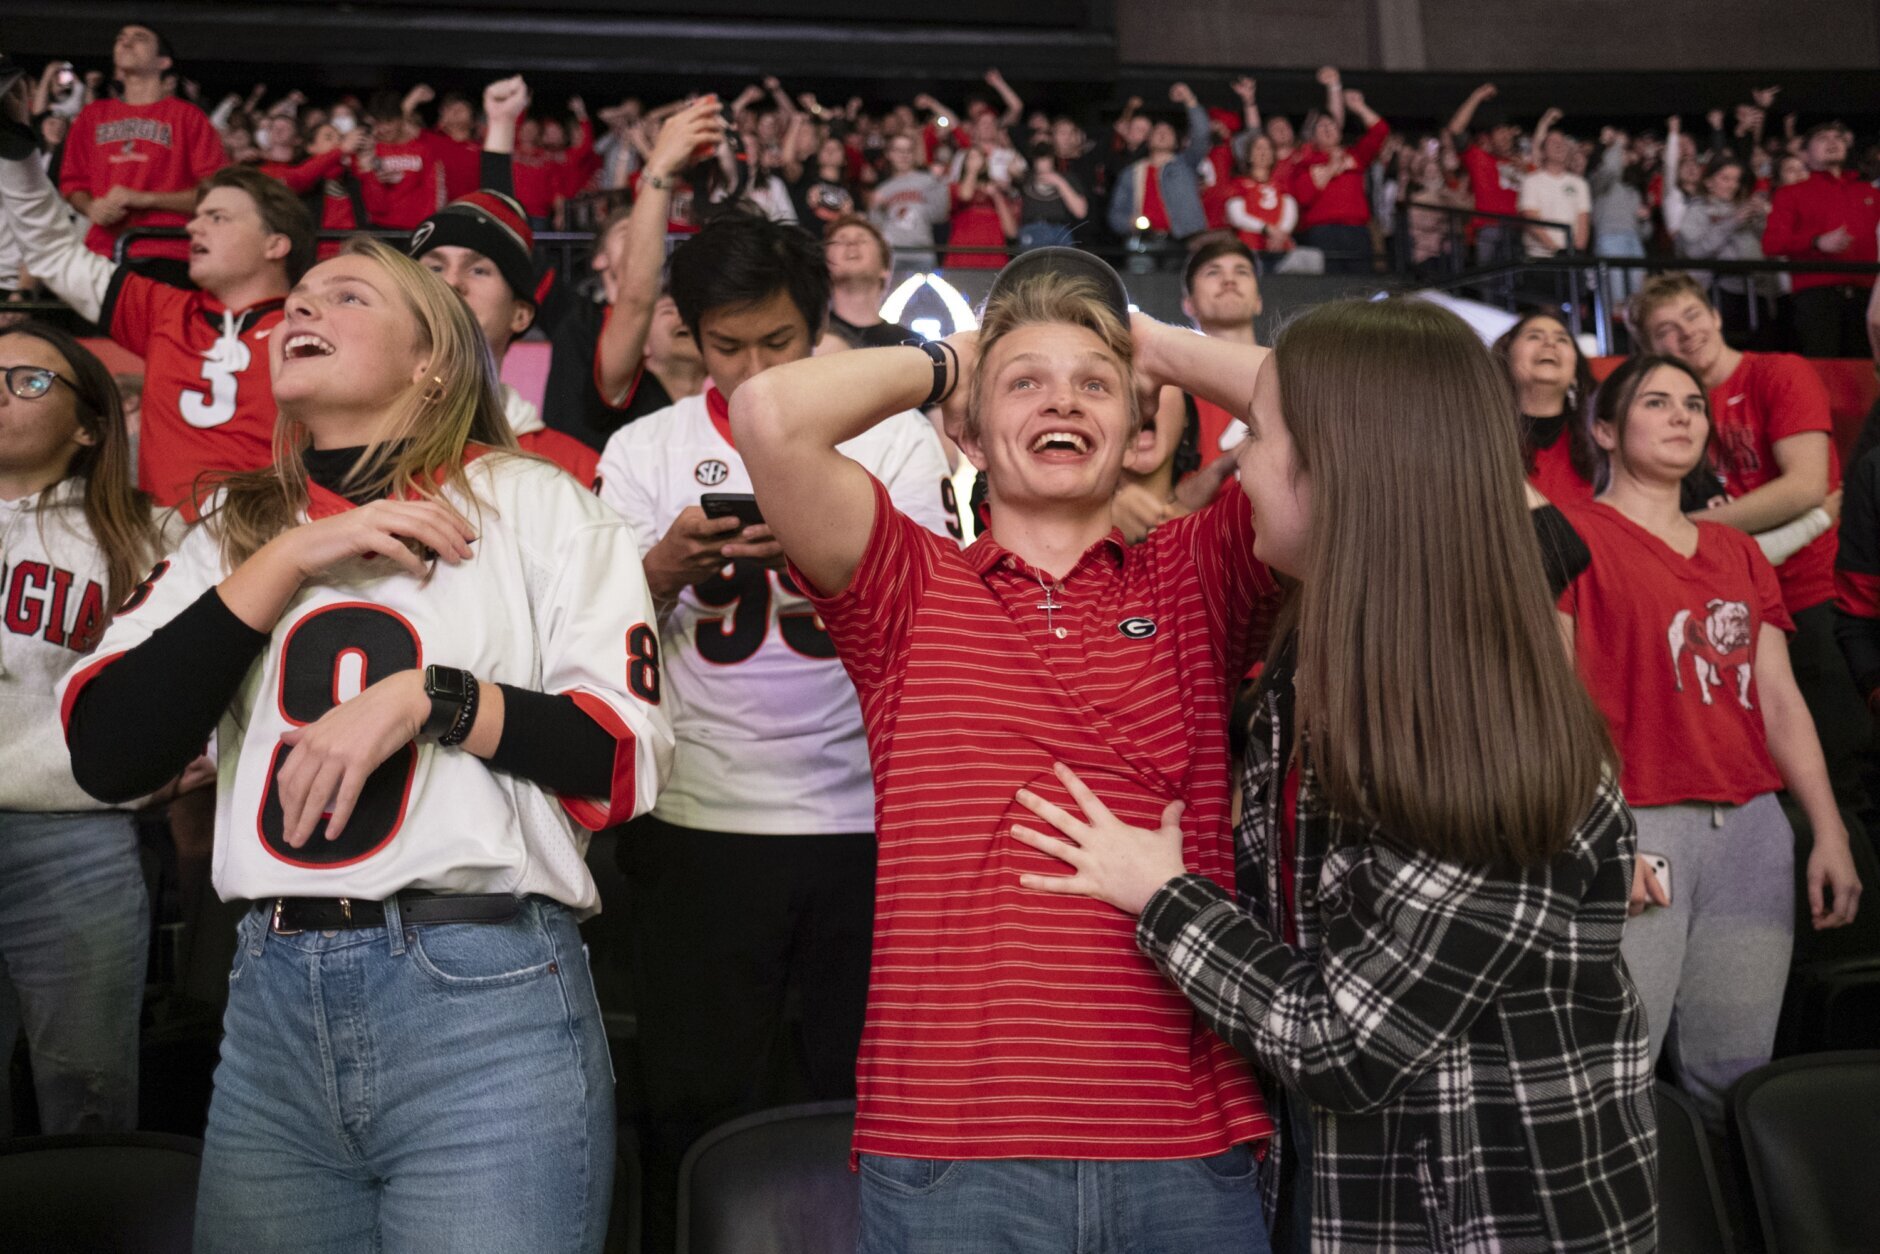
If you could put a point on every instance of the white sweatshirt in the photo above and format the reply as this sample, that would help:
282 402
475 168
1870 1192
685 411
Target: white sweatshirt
53 607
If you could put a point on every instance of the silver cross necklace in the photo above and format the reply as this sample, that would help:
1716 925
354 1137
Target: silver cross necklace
1049 605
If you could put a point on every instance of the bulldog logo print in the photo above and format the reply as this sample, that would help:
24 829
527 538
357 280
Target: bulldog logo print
1717 641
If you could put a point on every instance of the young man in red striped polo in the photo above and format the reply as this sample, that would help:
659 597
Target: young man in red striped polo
1027 1079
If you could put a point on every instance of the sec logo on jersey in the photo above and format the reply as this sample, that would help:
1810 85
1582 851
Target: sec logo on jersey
711 472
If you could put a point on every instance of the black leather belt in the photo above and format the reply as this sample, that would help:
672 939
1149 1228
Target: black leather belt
337 914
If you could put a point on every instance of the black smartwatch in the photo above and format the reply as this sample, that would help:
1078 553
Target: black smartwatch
453 695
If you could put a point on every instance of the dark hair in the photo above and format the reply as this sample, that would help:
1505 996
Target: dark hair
1581 450
739 259
164 48
386 105
282 212
1614 402
1226 245
1723 161
116 512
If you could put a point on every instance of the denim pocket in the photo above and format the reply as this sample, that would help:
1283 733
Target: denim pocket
247 943
483 955
1235 1166
910 1177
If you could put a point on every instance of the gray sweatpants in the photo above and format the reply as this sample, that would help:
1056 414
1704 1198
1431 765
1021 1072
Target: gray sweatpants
1711 966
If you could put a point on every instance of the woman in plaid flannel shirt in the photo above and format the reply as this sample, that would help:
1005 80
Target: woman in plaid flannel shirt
1434 857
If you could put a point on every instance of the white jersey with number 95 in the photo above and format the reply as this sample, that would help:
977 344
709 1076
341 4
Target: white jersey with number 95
769 730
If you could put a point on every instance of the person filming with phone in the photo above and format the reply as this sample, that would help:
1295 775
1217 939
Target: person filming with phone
770 806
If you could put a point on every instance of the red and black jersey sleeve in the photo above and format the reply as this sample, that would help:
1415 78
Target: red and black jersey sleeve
1857 573
135 305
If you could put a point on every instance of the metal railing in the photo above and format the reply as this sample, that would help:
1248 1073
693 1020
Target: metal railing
1580 283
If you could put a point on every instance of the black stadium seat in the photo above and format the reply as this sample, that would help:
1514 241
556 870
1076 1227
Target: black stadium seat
776 1182
1809 1129
1691 1217
98 1193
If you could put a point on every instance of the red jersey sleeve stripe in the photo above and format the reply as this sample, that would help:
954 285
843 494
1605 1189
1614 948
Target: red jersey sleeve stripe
619 807
77 686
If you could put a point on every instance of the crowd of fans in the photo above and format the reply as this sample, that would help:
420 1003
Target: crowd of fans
1339 188
640 398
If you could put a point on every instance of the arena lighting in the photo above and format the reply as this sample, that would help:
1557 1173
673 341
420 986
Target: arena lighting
958 310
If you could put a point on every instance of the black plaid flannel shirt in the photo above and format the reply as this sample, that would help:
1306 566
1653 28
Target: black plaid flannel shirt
1472 1049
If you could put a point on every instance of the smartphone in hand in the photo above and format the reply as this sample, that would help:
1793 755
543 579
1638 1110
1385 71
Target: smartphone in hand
739 505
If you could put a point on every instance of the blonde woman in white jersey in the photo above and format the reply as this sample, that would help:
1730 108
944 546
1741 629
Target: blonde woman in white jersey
75 536
428 663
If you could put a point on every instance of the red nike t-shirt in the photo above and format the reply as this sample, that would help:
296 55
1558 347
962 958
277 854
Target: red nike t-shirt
1770 397
1667 646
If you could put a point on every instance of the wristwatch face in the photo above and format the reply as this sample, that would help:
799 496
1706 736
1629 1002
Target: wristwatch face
446 682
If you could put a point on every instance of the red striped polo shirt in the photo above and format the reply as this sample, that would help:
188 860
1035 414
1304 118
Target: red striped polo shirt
1004 1022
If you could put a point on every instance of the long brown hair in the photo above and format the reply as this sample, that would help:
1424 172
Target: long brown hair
117 513
1433 690
422 444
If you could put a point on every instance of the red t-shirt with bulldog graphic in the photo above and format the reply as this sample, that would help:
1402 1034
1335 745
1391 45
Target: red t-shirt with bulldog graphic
1667 646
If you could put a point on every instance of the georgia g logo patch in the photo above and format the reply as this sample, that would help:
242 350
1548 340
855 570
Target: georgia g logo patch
711 472
1136 628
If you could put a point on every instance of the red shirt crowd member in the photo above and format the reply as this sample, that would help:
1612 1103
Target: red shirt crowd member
208 403
1493 166
481 246
1554 387
1047 641
1832 215
1258 204
985 213
1704 742
1328 181
401 177
1221 293
1772 440
459 150
135 161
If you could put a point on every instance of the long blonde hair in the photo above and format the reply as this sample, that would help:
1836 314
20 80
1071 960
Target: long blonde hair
419 450
1433 689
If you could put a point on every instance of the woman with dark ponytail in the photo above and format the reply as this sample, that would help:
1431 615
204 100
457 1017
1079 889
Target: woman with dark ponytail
75 536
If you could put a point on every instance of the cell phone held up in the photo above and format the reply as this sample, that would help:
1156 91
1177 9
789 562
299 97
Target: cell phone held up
739 505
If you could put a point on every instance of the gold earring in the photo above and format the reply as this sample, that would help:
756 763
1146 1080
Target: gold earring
434 393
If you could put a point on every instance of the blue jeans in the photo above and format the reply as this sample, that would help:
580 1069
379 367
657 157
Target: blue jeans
1620 283
1055 1206
410 1088
74 947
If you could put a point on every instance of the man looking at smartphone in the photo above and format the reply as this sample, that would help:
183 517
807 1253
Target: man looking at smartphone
770 807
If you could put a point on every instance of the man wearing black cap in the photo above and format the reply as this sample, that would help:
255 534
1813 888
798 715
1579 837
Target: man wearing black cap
136 160
480 245
1025 1074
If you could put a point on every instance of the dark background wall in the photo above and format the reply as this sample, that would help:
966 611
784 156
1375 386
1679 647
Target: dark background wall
1625 60
1503 35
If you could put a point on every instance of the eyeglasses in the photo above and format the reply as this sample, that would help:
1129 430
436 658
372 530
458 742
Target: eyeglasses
29 383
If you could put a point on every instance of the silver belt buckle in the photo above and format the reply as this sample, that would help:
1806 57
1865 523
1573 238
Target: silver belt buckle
275 926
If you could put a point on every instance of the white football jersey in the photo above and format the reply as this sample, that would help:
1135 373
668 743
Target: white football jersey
770 734
53 588
553 600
